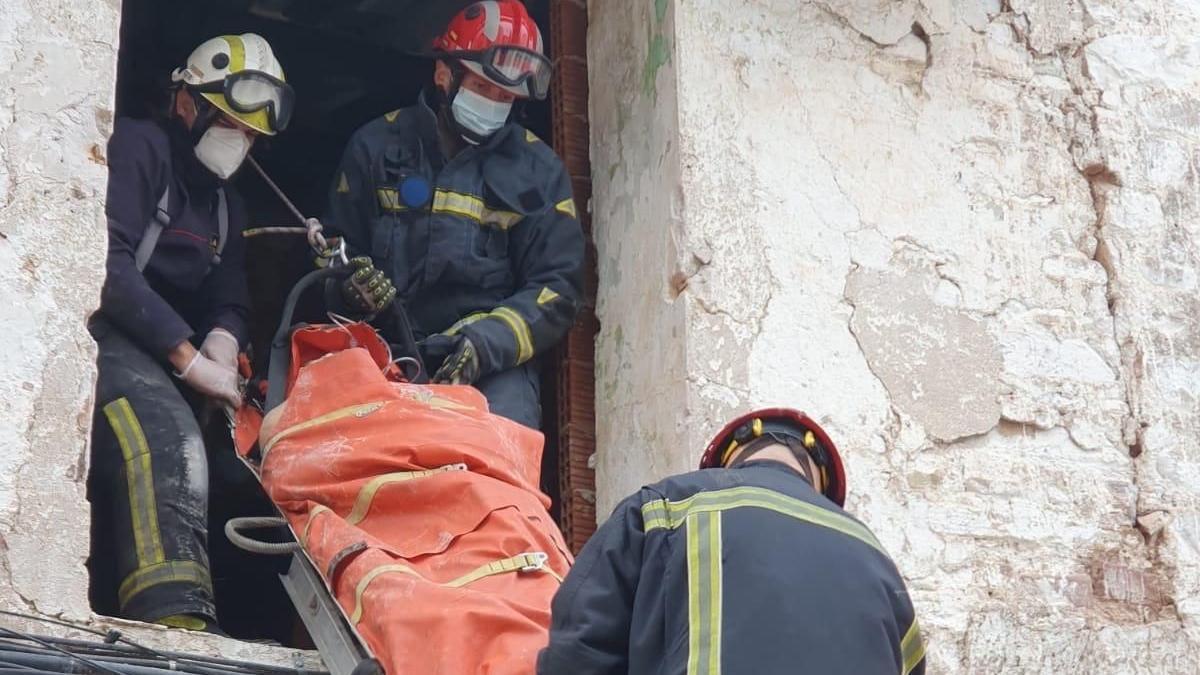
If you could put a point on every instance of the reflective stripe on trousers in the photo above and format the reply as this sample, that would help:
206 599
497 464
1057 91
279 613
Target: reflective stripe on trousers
153 569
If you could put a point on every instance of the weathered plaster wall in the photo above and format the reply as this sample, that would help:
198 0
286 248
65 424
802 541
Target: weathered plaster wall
57 69
57 66
635 155
965 236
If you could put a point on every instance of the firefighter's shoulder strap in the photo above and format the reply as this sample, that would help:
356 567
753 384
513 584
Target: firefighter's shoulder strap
162 219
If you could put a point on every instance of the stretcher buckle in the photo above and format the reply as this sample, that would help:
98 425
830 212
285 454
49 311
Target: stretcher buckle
535 561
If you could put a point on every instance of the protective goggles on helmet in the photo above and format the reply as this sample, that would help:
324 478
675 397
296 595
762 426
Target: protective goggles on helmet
510 67
249 91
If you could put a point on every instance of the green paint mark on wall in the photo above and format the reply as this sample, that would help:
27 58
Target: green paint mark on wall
657 57
659 52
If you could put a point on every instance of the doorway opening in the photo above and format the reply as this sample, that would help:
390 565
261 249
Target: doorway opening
349 63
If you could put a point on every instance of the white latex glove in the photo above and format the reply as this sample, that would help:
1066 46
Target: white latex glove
213 380
221 346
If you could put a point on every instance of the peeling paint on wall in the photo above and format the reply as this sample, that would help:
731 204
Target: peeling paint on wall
964 236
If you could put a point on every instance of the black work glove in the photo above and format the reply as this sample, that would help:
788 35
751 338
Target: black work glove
460 363
367 290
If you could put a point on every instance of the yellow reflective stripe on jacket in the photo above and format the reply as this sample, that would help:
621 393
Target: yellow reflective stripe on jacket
661 513
912 648
361 410
455 203
465 321
566 207
362 503
470 206
703 531
516 323
170 571
389 198
521 332
531 562
139 477
547 295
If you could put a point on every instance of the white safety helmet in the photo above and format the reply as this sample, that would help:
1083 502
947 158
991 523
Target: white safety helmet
240 75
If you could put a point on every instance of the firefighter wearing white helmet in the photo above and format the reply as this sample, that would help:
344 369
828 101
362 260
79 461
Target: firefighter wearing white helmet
172 320
239 76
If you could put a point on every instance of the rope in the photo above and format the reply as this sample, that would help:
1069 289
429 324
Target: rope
278 192
259 231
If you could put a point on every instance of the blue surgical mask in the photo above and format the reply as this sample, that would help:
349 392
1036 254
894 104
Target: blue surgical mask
479 114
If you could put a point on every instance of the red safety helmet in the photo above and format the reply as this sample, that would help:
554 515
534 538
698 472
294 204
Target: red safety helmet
785 422
498 40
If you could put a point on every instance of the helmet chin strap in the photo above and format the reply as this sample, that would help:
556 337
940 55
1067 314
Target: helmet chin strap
206 114
798 451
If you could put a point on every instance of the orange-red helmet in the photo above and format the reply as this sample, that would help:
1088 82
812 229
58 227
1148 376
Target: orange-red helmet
498 40
782 422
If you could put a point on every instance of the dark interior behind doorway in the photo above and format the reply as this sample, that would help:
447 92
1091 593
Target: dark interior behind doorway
348 62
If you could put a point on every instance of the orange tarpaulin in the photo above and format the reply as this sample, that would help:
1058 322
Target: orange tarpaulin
419 508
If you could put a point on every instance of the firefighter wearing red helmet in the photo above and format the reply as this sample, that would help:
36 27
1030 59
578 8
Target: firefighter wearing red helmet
465 216
748 565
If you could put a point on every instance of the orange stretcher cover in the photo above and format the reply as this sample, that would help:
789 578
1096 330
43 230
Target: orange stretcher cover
421 510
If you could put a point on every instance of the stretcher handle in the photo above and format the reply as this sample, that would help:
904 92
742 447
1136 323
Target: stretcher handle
234 526
281 349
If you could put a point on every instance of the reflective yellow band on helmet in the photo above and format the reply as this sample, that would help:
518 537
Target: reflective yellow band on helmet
728 451
257 120
237 53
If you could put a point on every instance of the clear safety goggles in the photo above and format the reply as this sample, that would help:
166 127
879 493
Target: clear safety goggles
511 67
249 91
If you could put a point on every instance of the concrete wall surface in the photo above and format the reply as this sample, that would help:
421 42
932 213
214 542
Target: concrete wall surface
57 68
965 236
58 63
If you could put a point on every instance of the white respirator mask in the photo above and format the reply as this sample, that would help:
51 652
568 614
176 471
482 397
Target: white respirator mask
479 114
222 150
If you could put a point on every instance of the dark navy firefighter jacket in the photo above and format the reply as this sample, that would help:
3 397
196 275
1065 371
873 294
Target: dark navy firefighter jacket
181 292
486 243
742 571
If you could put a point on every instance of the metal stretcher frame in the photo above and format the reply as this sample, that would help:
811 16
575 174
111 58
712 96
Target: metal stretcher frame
341 647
